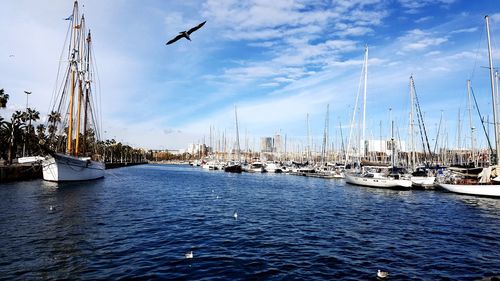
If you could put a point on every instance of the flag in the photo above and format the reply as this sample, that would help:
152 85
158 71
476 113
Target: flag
69 18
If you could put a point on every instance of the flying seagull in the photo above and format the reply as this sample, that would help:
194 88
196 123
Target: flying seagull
186 34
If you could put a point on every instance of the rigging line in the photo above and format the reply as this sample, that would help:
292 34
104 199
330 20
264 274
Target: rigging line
438 132
98 92
477 54
56 82
419 124
423 124
354 116
482 121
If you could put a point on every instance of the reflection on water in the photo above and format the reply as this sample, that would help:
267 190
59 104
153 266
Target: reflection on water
138 222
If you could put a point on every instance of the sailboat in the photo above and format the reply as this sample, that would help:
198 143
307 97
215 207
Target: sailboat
74 102
235 166
486 186
380 177
420 177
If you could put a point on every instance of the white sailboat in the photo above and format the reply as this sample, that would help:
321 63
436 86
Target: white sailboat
420 176
379 177
78 162
485 187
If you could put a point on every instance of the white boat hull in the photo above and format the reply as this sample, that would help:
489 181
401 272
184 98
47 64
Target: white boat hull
378 182
490 190
423 181
60 167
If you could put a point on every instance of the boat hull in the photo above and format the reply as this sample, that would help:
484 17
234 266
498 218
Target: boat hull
60 167
489 190
233 169
377 182
423 182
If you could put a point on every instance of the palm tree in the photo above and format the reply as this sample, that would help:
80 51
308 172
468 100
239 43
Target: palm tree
12 132
54 118
30 115
40 133
3 98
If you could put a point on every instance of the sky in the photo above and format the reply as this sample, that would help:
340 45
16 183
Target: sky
279 62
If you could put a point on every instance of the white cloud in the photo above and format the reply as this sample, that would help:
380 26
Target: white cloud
464 30
419 40
414 6
423 19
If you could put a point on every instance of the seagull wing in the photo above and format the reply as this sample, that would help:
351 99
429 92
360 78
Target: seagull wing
196 28
175 39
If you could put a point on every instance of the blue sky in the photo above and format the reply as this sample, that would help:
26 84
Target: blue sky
277 61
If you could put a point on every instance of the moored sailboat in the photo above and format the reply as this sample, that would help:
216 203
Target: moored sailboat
488 184
235 166
78 162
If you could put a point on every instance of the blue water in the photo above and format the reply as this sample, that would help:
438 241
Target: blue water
138 222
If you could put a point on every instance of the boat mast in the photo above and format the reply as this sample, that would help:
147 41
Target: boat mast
493 96
80 91
308 138
69 146
87 93
364 102
325 136
237 136
469 108
412 128
393 148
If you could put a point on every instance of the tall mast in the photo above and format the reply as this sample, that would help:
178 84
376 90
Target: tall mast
69 146
325 135
237 135
87 93
493 96
412 129
364 100
393 148
80 90
308 138
469 108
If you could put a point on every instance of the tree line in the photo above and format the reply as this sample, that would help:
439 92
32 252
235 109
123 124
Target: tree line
21 135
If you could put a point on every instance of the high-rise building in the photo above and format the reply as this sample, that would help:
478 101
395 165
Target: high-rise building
278 144
266 144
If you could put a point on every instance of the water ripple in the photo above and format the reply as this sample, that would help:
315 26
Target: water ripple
138 223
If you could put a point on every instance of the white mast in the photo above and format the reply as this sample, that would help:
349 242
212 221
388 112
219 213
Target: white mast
412 129
237 136
364 101
493 96
308 138
471 125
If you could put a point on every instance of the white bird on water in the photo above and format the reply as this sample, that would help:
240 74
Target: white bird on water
52 208
382 274
189 255
235 215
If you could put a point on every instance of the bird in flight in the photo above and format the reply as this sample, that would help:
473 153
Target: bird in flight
186 34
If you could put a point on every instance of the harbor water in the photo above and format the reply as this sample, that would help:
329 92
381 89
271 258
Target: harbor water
139 222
